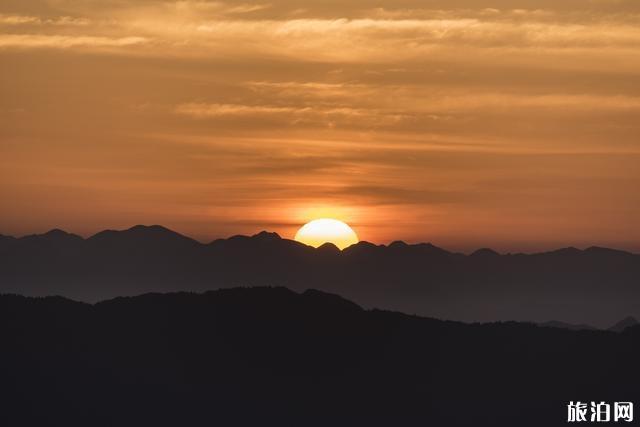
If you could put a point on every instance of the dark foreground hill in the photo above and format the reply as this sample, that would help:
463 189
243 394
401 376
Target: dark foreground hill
595 286
272 357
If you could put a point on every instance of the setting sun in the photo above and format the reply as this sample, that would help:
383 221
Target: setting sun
320 231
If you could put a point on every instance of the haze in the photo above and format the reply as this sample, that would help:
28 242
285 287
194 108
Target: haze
506 123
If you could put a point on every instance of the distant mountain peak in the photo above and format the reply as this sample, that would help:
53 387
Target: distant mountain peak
328 247
571 250
55 235
149 233
266 235
431 249
485 252
150 229
142 229
568 326
56 232
398 244
364 244
362 247
624 324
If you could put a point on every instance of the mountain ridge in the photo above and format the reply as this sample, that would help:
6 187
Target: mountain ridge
157 230
273 356
421 278
622 325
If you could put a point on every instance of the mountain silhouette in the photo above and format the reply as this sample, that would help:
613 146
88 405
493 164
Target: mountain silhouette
271 356
569 326
592 286
150 237
625 323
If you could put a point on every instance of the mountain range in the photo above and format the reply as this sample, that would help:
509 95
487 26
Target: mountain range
596 286
274 357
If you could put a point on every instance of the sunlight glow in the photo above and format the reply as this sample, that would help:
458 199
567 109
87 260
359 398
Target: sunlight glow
320 231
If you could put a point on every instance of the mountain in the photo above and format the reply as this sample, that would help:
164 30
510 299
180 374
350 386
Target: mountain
153 237
271 356
485 253
568 326
592 286
625 323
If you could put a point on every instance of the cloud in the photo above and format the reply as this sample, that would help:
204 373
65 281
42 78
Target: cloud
409 107
200 110
374 39
221 8
198 28
33 41
18 19
431 98
36 20
293 115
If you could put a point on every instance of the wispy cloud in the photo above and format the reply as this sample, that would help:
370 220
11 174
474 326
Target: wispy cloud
194 28
36 20
32 41
18 19
292 115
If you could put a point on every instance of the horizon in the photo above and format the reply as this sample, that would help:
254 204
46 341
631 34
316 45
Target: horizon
383 244
431 281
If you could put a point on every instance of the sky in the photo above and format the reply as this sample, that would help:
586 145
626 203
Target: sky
512 124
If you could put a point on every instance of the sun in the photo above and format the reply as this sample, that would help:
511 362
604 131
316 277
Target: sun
320 231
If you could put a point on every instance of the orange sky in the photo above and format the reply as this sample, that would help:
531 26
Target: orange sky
506 123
